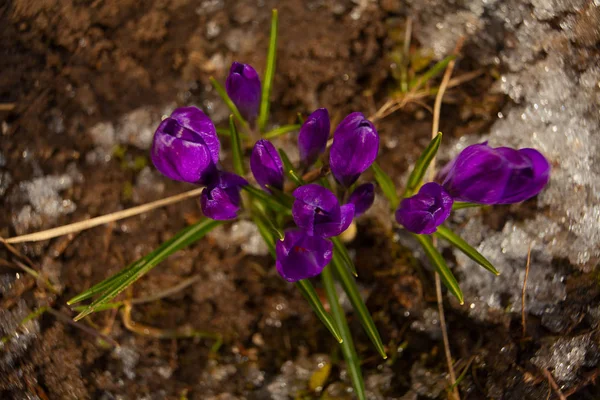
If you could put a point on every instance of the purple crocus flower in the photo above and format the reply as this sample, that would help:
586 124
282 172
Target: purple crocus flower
221 198
312 139
243 87
355 147
185 146
502 175
300 256
362 197
318 212
266 165
425 211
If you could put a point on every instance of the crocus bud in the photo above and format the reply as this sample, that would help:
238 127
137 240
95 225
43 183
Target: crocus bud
266 165
362 198
185 146
300 256
221 198
318 212
243 88
482 174
312 139
355 147
425 211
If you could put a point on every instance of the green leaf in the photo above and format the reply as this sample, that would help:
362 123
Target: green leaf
305 287
236 148
440 266
358 304
386 184
458 242
416 176
459 205
289 169
113 286
437 69
309 293
223 94
343 253
269 201
282 130
348 350
263 115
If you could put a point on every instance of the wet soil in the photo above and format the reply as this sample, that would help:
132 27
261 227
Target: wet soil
67 65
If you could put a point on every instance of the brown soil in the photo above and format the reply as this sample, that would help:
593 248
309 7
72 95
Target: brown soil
81 62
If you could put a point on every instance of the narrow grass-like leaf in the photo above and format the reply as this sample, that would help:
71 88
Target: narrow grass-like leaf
358 304
226 132
269 201
348 350
437 69
416 176
440 266
289 169
138 268
263 115
230 104
305 287
386 184
459 205
281 196
309 293
343 253
282 130
458 242
236 148
102 286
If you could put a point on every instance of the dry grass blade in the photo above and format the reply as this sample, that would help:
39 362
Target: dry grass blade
523 320
103 219
438 284
553 384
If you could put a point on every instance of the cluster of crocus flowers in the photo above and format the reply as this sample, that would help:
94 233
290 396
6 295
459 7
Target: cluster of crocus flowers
479 174
304 251
186 148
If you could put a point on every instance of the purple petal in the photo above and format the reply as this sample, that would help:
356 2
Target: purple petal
266 165
526 183
313 136
355 147
221 199
304 216
179 159
420 222
362 198
317 196
425 211
300 256
502 175
244 89
335 226
479 174
198 128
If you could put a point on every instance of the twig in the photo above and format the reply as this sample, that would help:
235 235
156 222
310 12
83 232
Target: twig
7 106
168 292
182 332
523 320
103 219
438 284
554 385
589 378
67 320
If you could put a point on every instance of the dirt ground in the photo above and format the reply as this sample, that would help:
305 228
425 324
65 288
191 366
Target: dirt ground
68 65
